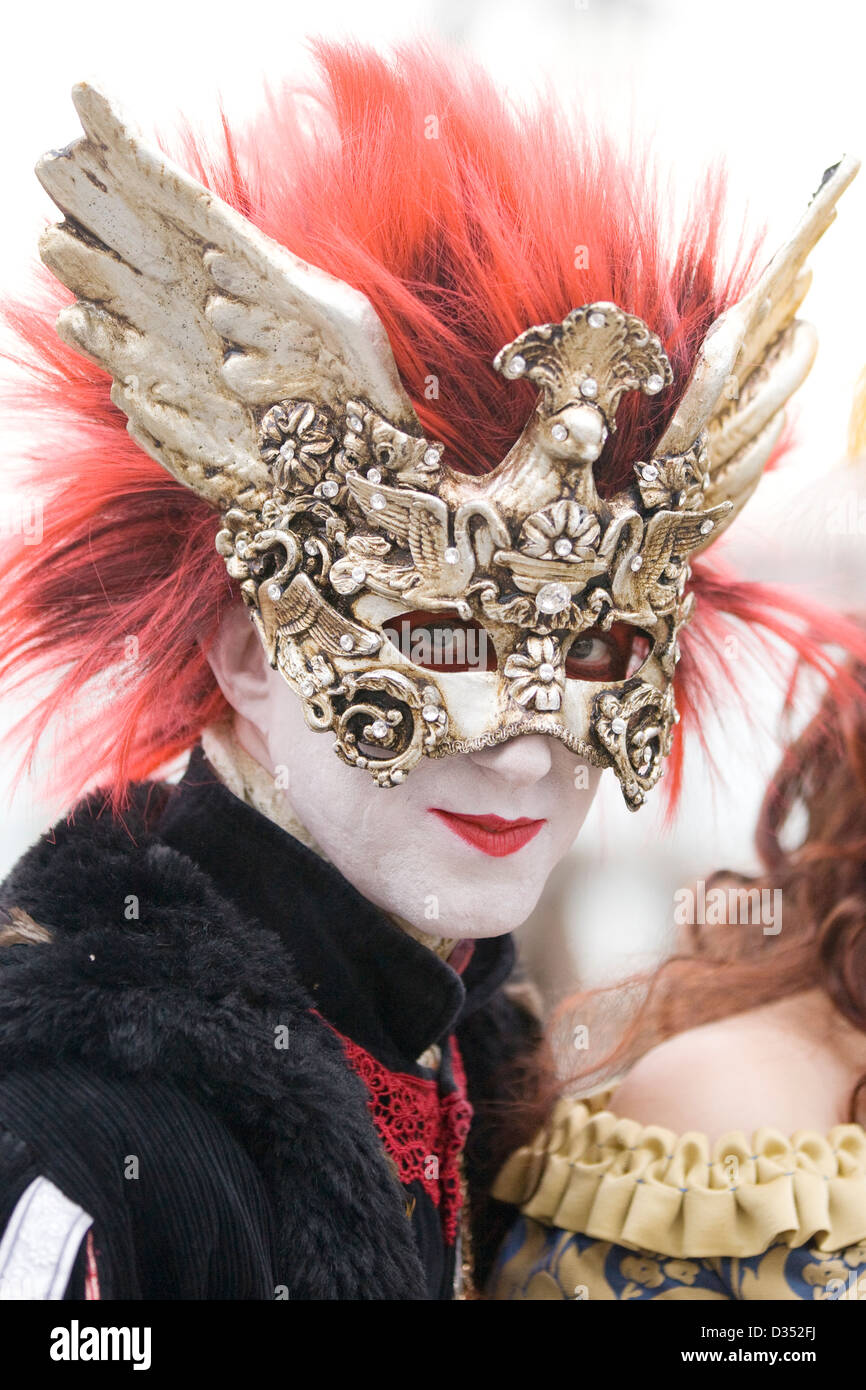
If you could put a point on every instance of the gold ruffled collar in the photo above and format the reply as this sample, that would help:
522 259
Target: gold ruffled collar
601 1175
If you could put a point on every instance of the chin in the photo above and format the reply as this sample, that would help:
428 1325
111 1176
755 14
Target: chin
458 926
473 908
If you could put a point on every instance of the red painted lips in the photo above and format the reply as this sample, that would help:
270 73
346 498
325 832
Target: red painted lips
491 834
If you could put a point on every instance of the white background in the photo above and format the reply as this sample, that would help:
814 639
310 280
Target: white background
777 89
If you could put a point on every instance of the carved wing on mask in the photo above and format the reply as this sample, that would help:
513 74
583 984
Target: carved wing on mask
301 612
201 319
664 549
752 360
417 520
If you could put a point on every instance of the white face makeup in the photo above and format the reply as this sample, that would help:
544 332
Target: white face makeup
405 848
404 851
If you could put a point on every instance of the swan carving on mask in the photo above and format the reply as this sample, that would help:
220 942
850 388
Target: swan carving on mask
270 389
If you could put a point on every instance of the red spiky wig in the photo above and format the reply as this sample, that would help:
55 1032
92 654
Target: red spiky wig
464 221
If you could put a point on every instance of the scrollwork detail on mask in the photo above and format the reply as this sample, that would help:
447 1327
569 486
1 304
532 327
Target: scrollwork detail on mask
634 726
385 721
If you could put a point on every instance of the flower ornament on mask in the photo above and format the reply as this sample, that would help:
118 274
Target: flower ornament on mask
270 389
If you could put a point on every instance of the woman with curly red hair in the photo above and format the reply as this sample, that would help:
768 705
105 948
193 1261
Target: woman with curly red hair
728 1160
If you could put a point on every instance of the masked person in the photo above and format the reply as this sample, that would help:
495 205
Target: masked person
404 592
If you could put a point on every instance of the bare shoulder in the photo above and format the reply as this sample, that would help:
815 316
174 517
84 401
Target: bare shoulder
789 1065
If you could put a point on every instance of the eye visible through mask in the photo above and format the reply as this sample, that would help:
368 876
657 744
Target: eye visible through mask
447 643
442 641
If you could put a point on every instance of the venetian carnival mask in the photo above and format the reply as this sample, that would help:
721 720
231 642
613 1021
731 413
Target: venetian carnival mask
269 388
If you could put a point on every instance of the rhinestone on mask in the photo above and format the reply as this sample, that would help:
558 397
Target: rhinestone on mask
355 425
373 475
546 672
274 592
359 574
563 546
649 473
431 457
589 388
596 320
431 713
347 642
377 502
618 725
559 432
516 367
330 488
552 598
654 384
378 729
706 527
637 563
451 555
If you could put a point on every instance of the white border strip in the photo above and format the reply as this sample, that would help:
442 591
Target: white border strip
40 1243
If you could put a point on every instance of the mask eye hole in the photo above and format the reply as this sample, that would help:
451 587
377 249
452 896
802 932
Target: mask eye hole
607 656
442 641
374 752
